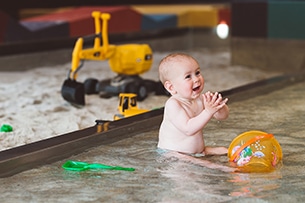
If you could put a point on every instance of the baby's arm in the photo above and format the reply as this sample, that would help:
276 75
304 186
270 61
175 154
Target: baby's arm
182 121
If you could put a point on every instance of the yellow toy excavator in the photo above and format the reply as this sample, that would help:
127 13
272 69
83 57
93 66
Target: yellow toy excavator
128 61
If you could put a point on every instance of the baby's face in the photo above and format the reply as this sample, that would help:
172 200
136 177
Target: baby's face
187 80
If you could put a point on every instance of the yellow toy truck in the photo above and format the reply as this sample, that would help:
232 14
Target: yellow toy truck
128 106
128 61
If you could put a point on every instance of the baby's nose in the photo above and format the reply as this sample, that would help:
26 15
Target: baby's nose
196 80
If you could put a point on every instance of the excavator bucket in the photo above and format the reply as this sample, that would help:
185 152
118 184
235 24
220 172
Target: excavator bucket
73 92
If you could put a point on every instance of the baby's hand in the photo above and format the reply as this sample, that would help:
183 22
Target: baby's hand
213 102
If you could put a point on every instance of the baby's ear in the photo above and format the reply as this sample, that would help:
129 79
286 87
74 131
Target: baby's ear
169 87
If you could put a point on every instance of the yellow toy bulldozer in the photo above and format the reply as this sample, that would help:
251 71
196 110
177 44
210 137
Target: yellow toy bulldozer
128 106
128 61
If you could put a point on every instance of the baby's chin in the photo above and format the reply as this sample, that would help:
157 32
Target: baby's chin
195 95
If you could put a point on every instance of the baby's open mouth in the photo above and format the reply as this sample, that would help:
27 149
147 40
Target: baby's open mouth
196 88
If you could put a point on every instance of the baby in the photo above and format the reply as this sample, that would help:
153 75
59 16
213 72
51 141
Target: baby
188 111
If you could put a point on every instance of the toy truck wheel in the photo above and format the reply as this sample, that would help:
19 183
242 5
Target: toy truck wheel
140 90
141 93
90 86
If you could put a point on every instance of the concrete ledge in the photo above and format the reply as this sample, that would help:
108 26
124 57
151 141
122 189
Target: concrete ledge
268 54
35 154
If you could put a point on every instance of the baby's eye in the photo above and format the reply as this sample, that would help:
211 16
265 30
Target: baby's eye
187 76
198 72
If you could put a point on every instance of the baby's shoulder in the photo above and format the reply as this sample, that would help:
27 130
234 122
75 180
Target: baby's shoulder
172 100
172 103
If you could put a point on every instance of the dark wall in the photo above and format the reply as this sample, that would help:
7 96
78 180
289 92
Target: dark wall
249 19
281 19
268 34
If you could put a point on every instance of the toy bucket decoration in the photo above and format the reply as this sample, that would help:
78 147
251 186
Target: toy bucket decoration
255 151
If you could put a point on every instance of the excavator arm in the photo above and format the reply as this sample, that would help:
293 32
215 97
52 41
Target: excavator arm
98 52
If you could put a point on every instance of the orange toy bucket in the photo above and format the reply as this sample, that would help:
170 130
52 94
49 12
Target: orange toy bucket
255 151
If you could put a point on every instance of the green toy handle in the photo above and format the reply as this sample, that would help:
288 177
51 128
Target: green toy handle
82 166
102 166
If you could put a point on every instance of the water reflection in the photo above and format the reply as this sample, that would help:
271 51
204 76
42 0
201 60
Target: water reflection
191 182
256 185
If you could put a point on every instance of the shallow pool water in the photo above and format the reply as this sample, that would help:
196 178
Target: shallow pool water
161 179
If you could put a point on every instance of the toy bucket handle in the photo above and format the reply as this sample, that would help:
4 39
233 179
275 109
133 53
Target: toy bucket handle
249 142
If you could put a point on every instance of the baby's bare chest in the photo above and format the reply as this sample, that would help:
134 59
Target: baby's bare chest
193 109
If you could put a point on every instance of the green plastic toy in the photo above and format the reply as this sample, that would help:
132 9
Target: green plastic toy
82 166
6 128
